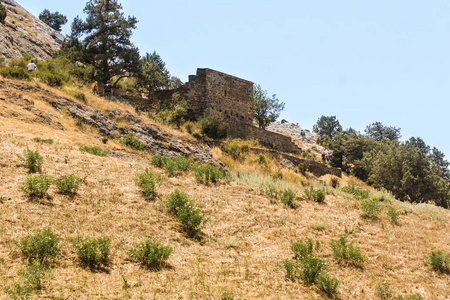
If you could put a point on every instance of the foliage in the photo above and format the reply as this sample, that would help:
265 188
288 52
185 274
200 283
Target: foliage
94 150
439 261
327 127
370 208
105 40
43 141
175 200
150 253
54 20
207 174
393 214
33 160
291 267
288 197
411 297
384 291
266 109
378 131
148 182
42 245
347 253
68 185
15 72
261 159
153 74
213 124
172 165
92 253
304 249
133 141
37 185
34 277
2 14
327 284
236 149
334 182
80 96
175 113
226 296
316 195
312 267
357 192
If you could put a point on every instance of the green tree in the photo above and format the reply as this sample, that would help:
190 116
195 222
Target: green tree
2 14
266 109
153 73
105 40
378 131
440 164
327 128
54 20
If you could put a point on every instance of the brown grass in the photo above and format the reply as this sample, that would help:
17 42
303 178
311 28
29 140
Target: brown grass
239 248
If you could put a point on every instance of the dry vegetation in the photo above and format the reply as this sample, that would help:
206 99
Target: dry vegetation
239 249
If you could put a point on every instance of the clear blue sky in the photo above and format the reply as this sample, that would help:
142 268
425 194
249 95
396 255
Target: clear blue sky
362 61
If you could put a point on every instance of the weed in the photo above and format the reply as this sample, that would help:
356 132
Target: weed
94 150
327 284
411 297
33 160
304 249
148 182
316 195
197 135
236 149
291 267
150 253
371 209
288 197
262 160
320 226
207 174
92 253
439 261
302 168
357 192
175 200
384 291
68 185
334 182
36 185
172 165
348 253
226 296
80 96
393 214
133 141
41 245
34 277
312 267
43 141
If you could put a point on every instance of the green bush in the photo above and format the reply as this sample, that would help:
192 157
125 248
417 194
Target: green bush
262 160
34 277
15 72
347 253
207 174
175 200
236 149
2 14
148 182
92 253
172 165
302 168
150 253
213 124
288 197
42 244
33 160
291 267
327 284
357 192
49 78
226 296
304 249
334 182
80 96
371 209
43 141
439 261
68 185
393 214
316 195
384 291
133 141
94 150
411 297
37 185
197 135
312 267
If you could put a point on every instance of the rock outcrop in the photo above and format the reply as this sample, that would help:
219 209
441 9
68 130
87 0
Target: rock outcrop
25 32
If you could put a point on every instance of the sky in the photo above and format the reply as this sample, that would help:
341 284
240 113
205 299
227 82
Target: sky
361 61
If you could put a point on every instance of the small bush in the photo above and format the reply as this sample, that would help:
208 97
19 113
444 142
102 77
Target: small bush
291 267
347 253
439 261
312 267
327 284
175 200
150 253
37 185
288 197
2 14
33 160
34 277
15 72
371 209
43 141
393 214
236 149
334 182
213 124
302 168
52 79
41 245
316 195
197 135
92 253
304 249
411 297
226 296
357 192
262 160
207 174
384 291
68 185
172 165
148 182
94 150
133 141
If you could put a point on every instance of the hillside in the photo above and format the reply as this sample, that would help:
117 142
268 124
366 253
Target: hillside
25 32
238 251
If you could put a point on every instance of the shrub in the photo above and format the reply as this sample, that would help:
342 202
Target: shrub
312 266
226 296
327 284
34 277
236 149
92 253
49 78
411 297
41 245
348 253
393 214
316 195
302 168
148 182
94 150
207 174
384 291
288 197
213 124
68 185
43 141
439 261
33 160
291 268
175 200
15 72
262 160
357 192
150 253
304 249
2 14
133 141
197 135
172 165
80 96
37 185
371 209
334 182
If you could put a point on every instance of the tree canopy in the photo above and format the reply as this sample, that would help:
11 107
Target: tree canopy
2 14
266 109
54 20
378 131
327 127
153 73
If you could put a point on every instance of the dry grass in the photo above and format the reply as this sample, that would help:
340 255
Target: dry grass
239 248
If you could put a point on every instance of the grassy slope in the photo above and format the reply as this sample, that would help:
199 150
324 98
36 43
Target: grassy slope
242 243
